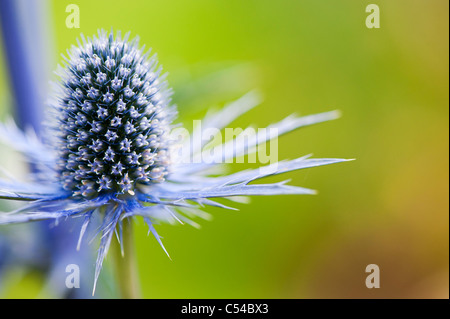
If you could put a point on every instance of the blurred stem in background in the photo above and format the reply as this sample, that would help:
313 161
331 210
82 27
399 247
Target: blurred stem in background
125 262
29 56
24 30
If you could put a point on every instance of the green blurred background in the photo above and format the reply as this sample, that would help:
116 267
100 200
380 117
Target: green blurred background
389 207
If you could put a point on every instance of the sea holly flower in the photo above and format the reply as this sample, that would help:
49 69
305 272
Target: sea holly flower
109 151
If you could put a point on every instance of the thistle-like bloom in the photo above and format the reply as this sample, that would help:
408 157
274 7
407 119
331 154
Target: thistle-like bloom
109 151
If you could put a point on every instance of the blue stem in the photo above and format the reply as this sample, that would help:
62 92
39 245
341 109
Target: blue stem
27 62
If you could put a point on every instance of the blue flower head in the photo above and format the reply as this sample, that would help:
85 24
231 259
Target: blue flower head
113 120
108 151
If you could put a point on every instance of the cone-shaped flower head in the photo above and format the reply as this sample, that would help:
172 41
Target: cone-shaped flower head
113 119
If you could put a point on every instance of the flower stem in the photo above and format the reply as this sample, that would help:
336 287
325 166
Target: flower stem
125 262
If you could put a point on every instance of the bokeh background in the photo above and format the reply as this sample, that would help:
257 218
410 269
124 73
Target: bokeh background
389 207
